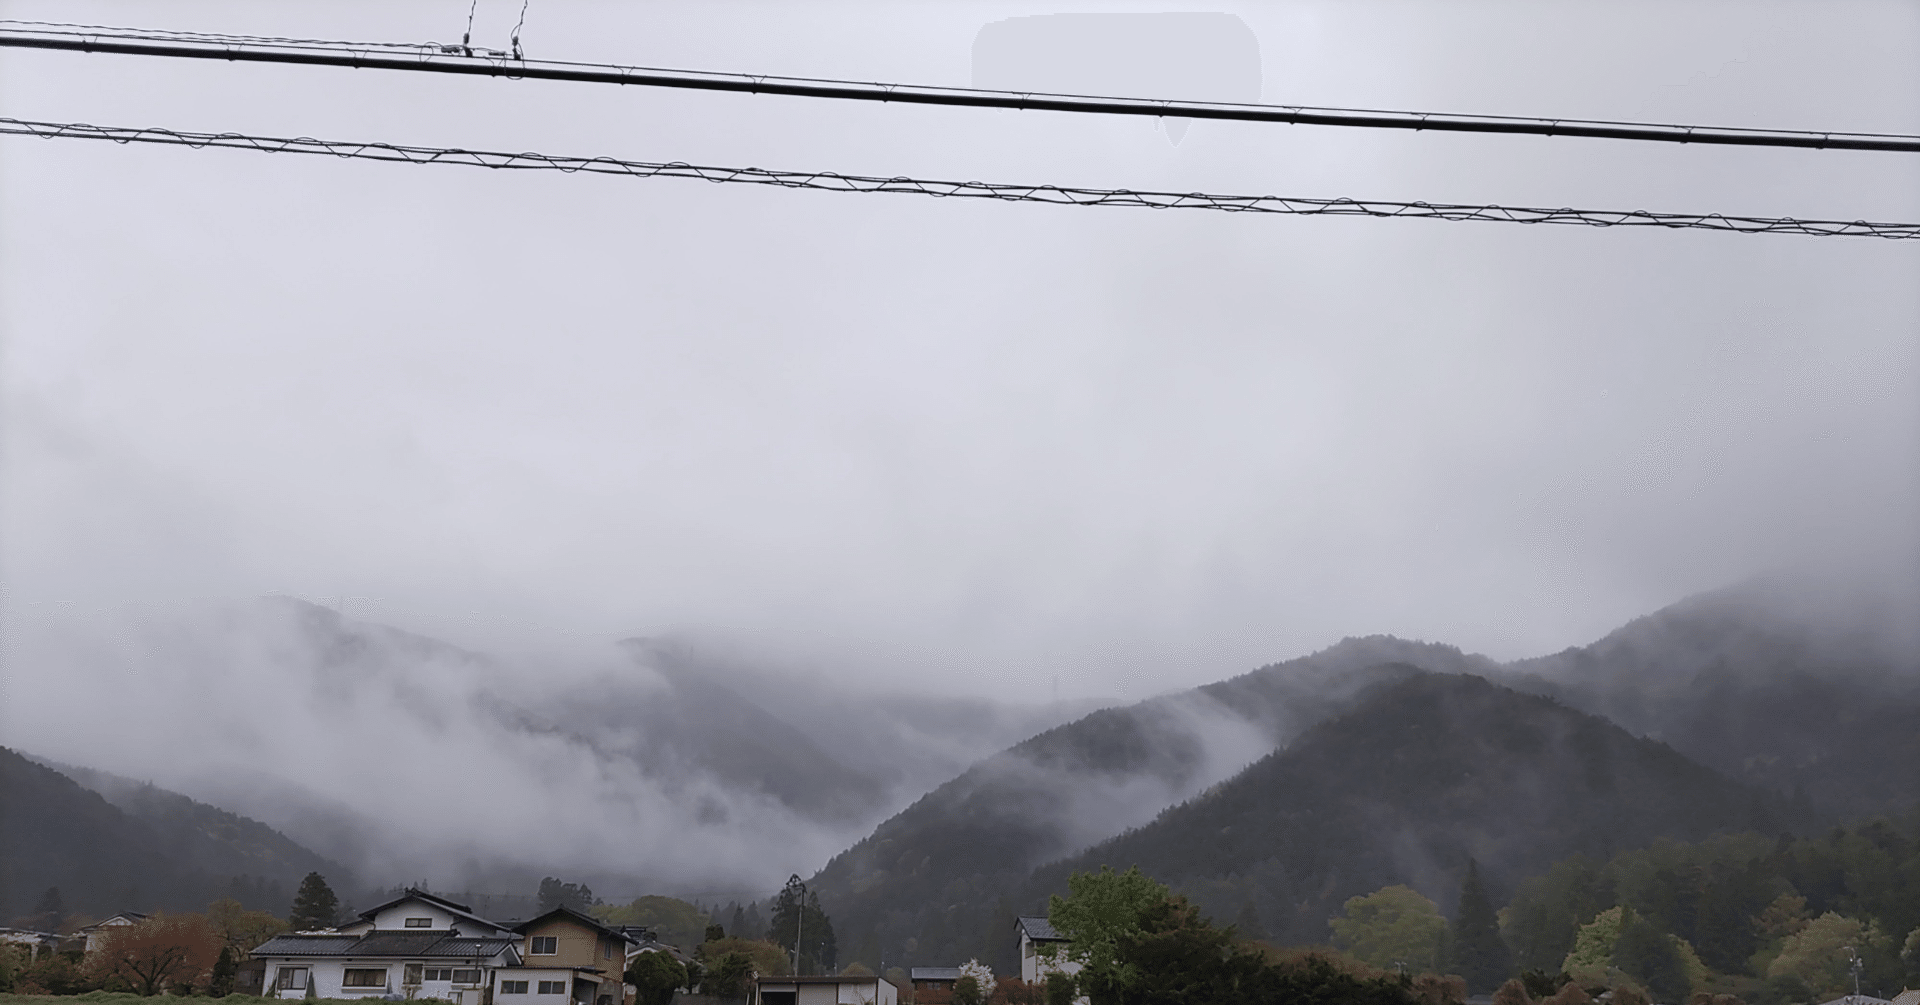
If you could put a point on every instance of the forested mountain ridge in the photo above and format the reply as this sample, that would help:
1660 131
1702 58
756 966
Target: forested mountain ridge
1404 788
203 837
145 849
975 839
1789 684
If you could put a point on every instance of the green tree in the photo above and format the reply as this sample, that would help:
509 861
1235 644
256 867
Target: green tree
314 905
1315 980
1478 953
1818 954
1392 926
220 981
966 991
1592 951
1548 909
240 928
1062 989
763 958
1100 910
554 893
727 975
1651 957
1175 955
655 976
803 928
674 921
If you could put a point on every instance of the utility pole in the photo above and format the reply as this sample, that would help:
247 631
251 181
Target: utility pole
799 926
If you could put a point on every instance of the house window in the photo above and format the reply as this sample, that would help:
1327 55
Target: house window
419 922
466 976
411 975
439 974
553 987
292 979
513 987
606 949
543 945
364 978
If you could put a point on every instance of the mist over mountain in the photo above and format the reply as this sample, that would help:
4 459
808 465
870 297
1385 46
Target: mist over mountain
937 872
1807 683
641 767
1752 684
660 766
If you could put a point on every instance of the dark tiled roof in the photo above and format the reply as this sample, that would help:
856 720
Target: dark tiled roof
1041 930
306 945
935 974
408 945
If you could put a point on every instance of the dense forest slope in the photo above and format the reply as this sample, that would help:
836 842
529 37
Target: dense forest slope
134 848
972 841
1403 789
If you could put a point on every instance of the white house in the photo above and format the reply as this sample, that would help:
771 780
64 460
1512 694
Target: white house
1036 933
416 946
843 990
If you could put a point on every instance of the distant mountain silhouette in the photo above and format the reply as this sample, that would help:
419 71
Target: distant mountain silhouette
114 844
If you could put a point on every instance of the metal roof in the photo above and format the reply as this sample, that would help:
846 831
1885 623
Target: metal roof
934 974
1041 930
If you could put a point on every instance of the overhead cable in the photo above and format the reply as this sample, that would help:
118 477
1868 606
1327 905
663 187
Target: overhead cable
1055 194
434 57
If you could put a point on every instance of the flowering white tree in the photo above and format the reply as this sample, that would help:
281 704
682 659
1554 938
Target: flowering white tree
981 975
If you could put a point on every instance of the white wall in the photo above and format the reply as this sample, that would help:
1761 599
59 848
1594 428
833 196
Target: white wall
533 977
395 917
327 976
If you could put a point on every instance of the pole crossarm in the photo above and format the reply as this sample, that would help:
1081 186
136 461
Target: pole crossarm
1054 194
434 57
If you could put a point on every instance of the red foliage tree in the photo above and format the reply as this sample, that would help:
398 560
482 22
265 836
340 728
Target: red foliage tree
157 954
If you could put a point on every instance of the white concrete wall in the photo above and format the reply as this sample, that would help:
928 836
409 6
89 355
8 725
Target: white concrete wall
395 918
328 977
533 976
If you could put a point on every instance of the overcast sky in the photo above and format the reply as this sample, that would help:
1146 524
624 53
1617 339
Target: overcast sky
963 447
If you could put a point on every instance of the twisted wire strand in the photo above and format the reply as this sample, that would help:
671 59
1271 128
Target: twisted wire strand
831 181
463 59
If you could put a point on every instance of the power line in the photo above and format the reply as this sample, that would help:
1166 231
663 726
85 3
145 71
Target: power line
1054 194
434 57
